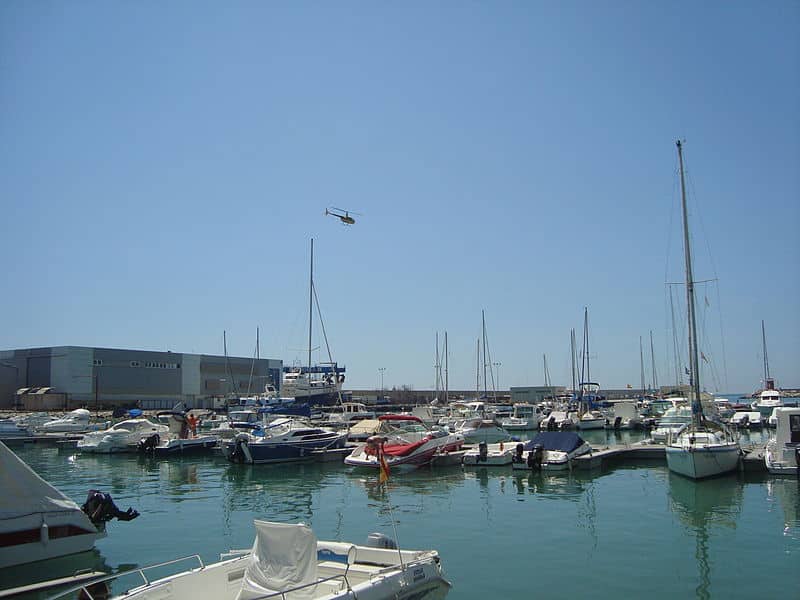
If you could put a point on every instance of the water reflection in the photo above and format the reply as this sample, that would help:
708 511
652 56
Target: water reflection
786 494
701 506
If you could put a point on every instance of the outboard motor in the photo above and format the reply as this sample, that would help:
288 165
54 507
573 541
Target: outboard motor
745 422
483 452
241 451
617 423
518 458
535 457
147 445
100 508
551 424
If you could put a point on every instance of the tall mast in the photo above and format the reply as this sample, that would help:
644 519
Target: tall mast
478 371
697 407
653 362
766 360
310 306
641 365
446 381
572 357
437 369
483 321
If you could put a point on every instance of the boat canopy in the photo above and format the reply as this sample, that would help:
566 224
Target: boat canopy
561 441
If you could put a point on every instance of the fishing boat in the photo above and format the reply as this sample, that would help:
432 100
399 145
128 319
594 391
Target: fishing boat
288 562
782 454
403 440
703 448
38 522
282 440
122 437
549 451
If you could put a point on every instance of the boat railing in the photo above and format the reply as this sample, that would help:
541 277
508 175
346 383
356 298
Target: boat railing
86 588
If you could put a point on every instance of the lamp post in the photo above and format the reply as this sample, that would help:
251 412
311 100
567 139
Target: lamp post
382 370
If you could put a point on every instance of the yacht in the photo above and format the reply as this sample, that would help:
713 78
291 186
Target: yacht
403 440
768 399
287 562
782 454
122 437
477 429
348 413
747 419
283 440
9 428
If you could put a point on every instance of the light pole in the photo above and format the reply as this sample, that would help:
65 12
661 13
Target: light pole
382 370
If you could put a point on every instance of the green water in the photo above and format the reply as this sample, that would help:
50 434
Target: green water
622 532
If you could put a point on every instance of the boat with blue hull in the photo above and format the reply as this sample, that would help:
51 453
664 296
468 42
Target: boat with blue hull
284 440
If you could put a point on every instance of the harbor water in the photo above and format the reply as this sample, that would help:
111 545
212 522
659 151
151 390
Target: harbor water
621 531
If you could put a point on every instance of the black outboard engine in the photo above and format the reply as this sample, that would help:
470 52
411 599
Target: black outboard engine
147 445
100 509
617 423
535 457
551 424
483 452
518 458
797 459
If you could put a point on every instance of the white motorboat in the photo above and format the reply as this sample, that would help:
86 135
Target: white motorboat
403 440
626 416
672 421
782 454
9 428
181 436
477 429
122 437
348 413
38 522
703 448
288 562
591 419
767 400
549 451
559 419
746 419
524 417
283 440
76 421
489 455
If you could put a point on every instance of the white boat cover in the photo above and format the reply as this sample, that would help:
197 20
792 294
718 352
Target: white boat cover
284 556
25 494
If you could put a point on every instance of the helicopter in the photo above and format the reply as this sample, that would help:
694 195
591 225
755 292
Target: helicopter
342 215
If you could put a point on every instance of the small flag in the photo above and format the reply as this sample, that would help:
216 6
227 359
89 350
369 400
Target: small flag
703 356
688 372
384 474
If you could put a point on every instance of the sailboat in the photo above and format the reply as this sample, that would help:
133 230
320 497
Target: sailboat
589 391
313 384
769 398
703 448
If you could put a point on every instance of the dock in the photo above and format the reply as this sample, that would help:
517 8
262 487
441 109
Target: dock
752 460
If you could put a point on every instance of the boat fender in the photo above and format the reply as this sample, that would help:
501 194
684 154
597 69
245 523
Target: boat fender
44 533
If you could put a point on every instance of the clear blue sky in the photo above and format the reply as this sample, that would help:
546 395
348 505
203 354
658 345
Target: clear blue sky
163 167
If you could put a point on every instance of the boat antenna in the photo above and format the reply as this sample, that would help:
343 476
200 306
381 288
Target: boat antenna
697 407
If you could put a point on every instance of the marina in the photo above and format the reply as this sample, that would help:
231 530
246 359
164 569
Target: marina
206 505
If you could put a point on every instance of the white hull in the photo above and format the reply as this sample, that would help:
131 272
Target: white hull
591 424
495 456
701 461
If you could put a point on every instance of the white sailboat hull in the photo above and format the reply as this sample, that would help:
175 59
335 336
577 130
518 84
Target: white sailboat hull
700 461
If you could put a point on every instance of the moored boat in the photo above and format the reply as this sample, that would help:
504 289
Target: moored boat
550 451
283 440
121 437
782 454
288 562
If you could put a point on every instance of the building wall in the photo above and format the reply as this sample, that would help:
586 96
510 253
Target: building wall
109 376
